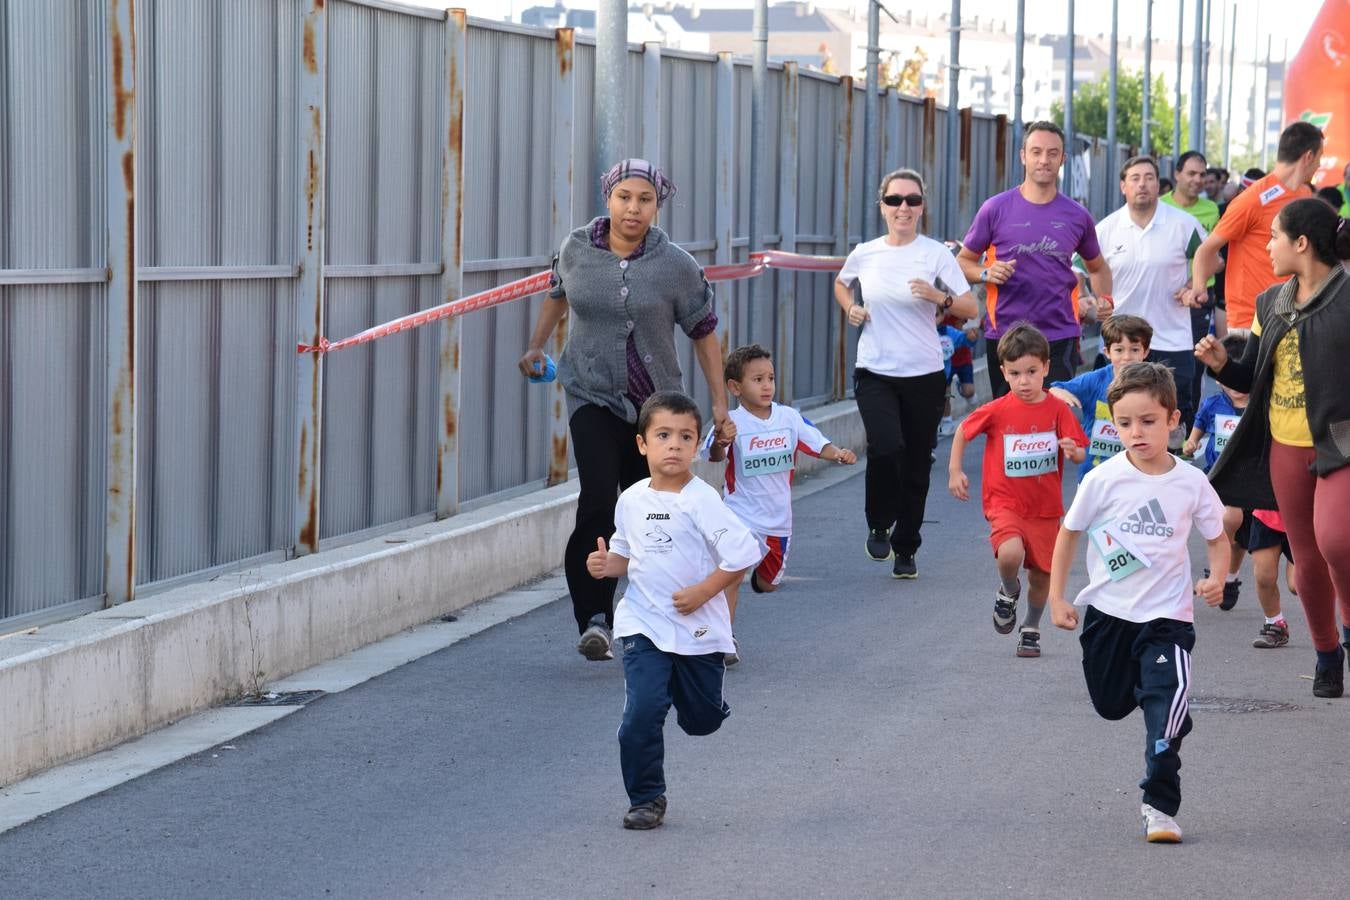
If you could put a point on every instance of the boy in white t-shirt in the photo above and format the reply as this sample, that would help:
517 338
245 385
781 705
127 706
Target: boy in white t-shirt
681 548
761 455
1138 508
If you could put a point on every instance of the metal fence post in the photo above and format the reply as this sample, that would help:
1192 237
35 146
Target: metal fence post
310 292
119 550
452 263
891 159
651 96
722 202
564 99
843 143
787 227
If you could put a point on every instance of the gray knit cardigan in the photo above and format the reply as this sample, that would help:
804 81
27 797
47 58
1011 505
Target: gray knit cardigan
609 297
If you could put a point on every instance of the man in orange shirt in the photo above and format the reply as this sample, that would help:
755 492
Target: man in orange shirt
1245 226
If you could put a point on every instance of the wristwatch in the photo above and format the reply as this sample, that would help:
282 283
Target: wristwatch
984 276
947 303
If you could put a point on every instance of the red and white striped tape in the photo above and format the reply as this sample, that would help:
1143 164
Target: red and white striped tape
539 282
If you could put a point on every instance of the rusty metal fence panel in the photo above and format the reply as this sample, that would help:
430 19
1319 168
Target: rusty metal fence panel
254 155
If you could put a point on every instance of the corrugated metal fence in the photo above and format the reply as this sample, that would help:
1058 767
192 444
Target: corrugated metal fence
291 168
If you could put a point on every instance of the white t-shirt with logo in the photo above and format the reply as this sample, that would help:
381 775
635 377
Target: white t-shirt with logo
760 464
1137 525
900 339
673 541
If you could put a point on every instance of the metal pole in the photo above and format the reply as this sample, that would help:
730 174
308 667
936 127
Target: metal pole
1176 104
1112 92
564 164
1204 78
870 225
1265 112
1146 124
785 328
843 177
651 103
1068 110
725 135
759 92
1198 79
119 81
1228 118
611 89
310 292
951 185
1256 76
1218 94
1018 65
452 253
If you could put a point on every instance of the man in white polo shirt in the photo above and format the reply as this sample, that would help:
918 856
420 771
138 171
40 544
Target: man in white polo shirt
1148 246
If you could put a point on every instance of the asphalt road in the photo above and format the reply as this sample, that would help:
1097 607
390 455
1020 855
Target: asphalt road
884 742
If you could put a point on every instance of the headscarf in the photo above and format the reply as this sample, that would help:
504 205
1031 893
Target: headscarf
638 168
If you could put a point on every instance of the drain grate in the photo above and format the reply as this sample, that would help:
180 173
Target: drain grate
282 698
1239 705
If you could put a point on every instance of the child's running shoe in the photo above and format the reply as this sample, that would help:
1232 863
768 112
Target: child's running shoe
879 544
646 815
1231 589
1272 635
734 657
596 643
904 568
1159 827
1029 643
946 428
1005 612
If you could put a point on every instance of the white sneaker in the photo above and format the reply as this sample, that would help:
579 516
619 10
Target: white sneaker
734 657
1159 827
946 428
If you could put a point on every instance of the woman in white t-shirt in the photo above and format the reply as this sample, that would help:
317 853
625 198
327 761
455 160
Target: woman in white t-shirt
905 278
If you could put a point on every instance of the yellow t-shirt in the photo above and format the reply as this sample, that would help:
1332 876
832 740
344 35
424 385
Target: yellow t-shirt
1288 402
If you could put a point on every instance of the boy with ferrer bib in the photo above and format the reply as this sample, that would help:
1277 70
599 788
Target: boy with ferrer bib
1259 532
761 453
681 548
1125 339
1026 431
1138 509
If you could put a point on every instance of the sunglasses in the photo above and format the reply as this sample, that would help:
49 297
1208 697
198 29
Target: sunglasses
907 199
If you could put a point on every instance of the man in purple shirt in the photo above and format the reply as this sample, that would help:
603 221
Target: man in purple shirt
1021 247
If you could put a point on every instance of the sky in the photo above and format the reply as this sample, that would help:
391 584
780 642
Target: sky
1043 16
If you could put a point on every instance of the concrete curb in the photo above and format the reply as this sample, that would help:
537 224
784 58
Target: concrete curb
78 687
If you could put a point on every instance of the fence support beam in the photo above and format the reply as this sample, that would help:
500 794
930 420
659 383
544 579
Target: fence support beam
722 221
310 291
785 331
564 103
119 550
452 257
651 99
891 159
843 223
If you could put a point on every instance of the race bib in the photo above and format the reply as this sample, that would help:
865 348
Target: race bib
1028 455
766 453
1121 560
1105 440
1224 426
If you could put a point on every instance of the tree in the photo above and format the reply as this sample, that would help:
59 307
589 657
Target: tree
903 74
1092 100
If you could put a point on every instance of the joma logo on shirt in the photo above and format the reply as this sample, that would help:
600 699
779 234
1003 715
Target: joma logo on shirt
774 442
664 517
1022 445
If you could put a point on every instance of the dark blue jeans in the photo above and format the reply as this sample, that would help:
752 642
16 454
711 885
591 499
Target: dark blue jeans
653 680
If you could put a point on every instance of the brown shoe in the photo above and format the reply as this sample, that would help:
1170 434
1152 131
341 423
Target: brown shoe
645 815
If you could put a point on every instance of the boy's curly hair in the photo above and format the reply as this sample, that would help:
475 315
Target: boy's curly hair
739 358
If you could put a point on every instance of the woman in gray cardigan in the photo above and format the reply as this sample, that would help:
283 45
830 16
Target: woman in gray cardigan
1291 448
627 286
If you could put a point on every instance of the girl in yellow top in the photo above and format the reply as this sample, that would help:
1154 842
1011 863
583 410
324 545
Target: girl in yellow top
1292 448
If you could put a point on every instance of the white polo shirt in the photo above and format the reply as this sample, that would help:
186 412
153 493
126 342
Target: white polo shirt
1148 265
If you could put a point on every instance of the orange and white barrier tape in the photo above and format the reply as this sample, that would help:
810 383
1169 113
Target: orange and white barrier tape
539 282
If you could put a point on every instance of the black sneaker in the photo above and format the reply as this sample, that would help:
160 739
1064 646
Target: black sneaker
879 544
1029 643
1005 612
1329 682
646 815
904 568
1231 589
1272 635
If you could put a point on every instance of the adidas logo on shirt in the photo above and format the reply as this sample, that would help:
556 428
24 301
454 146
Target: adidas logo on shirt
1162 658
1149 520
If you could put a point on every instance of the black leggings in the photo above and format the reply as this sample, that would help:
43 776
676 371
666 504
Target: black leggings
900 416
608 461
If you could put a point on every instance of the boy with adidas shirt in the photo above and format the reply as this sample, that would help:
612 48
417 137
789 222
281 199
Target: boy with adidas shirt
1138 509
760 452
681 548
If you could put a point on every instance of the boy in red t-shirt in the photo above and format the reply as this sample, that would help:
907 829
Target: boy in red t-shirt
1027 432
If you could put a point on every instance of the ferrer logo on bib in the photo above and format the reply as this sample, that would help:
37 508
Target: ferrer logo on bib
1028 455
766 452
1224 426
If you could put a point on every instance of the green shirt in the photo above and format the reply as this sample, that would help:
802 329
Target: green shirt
1206 211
